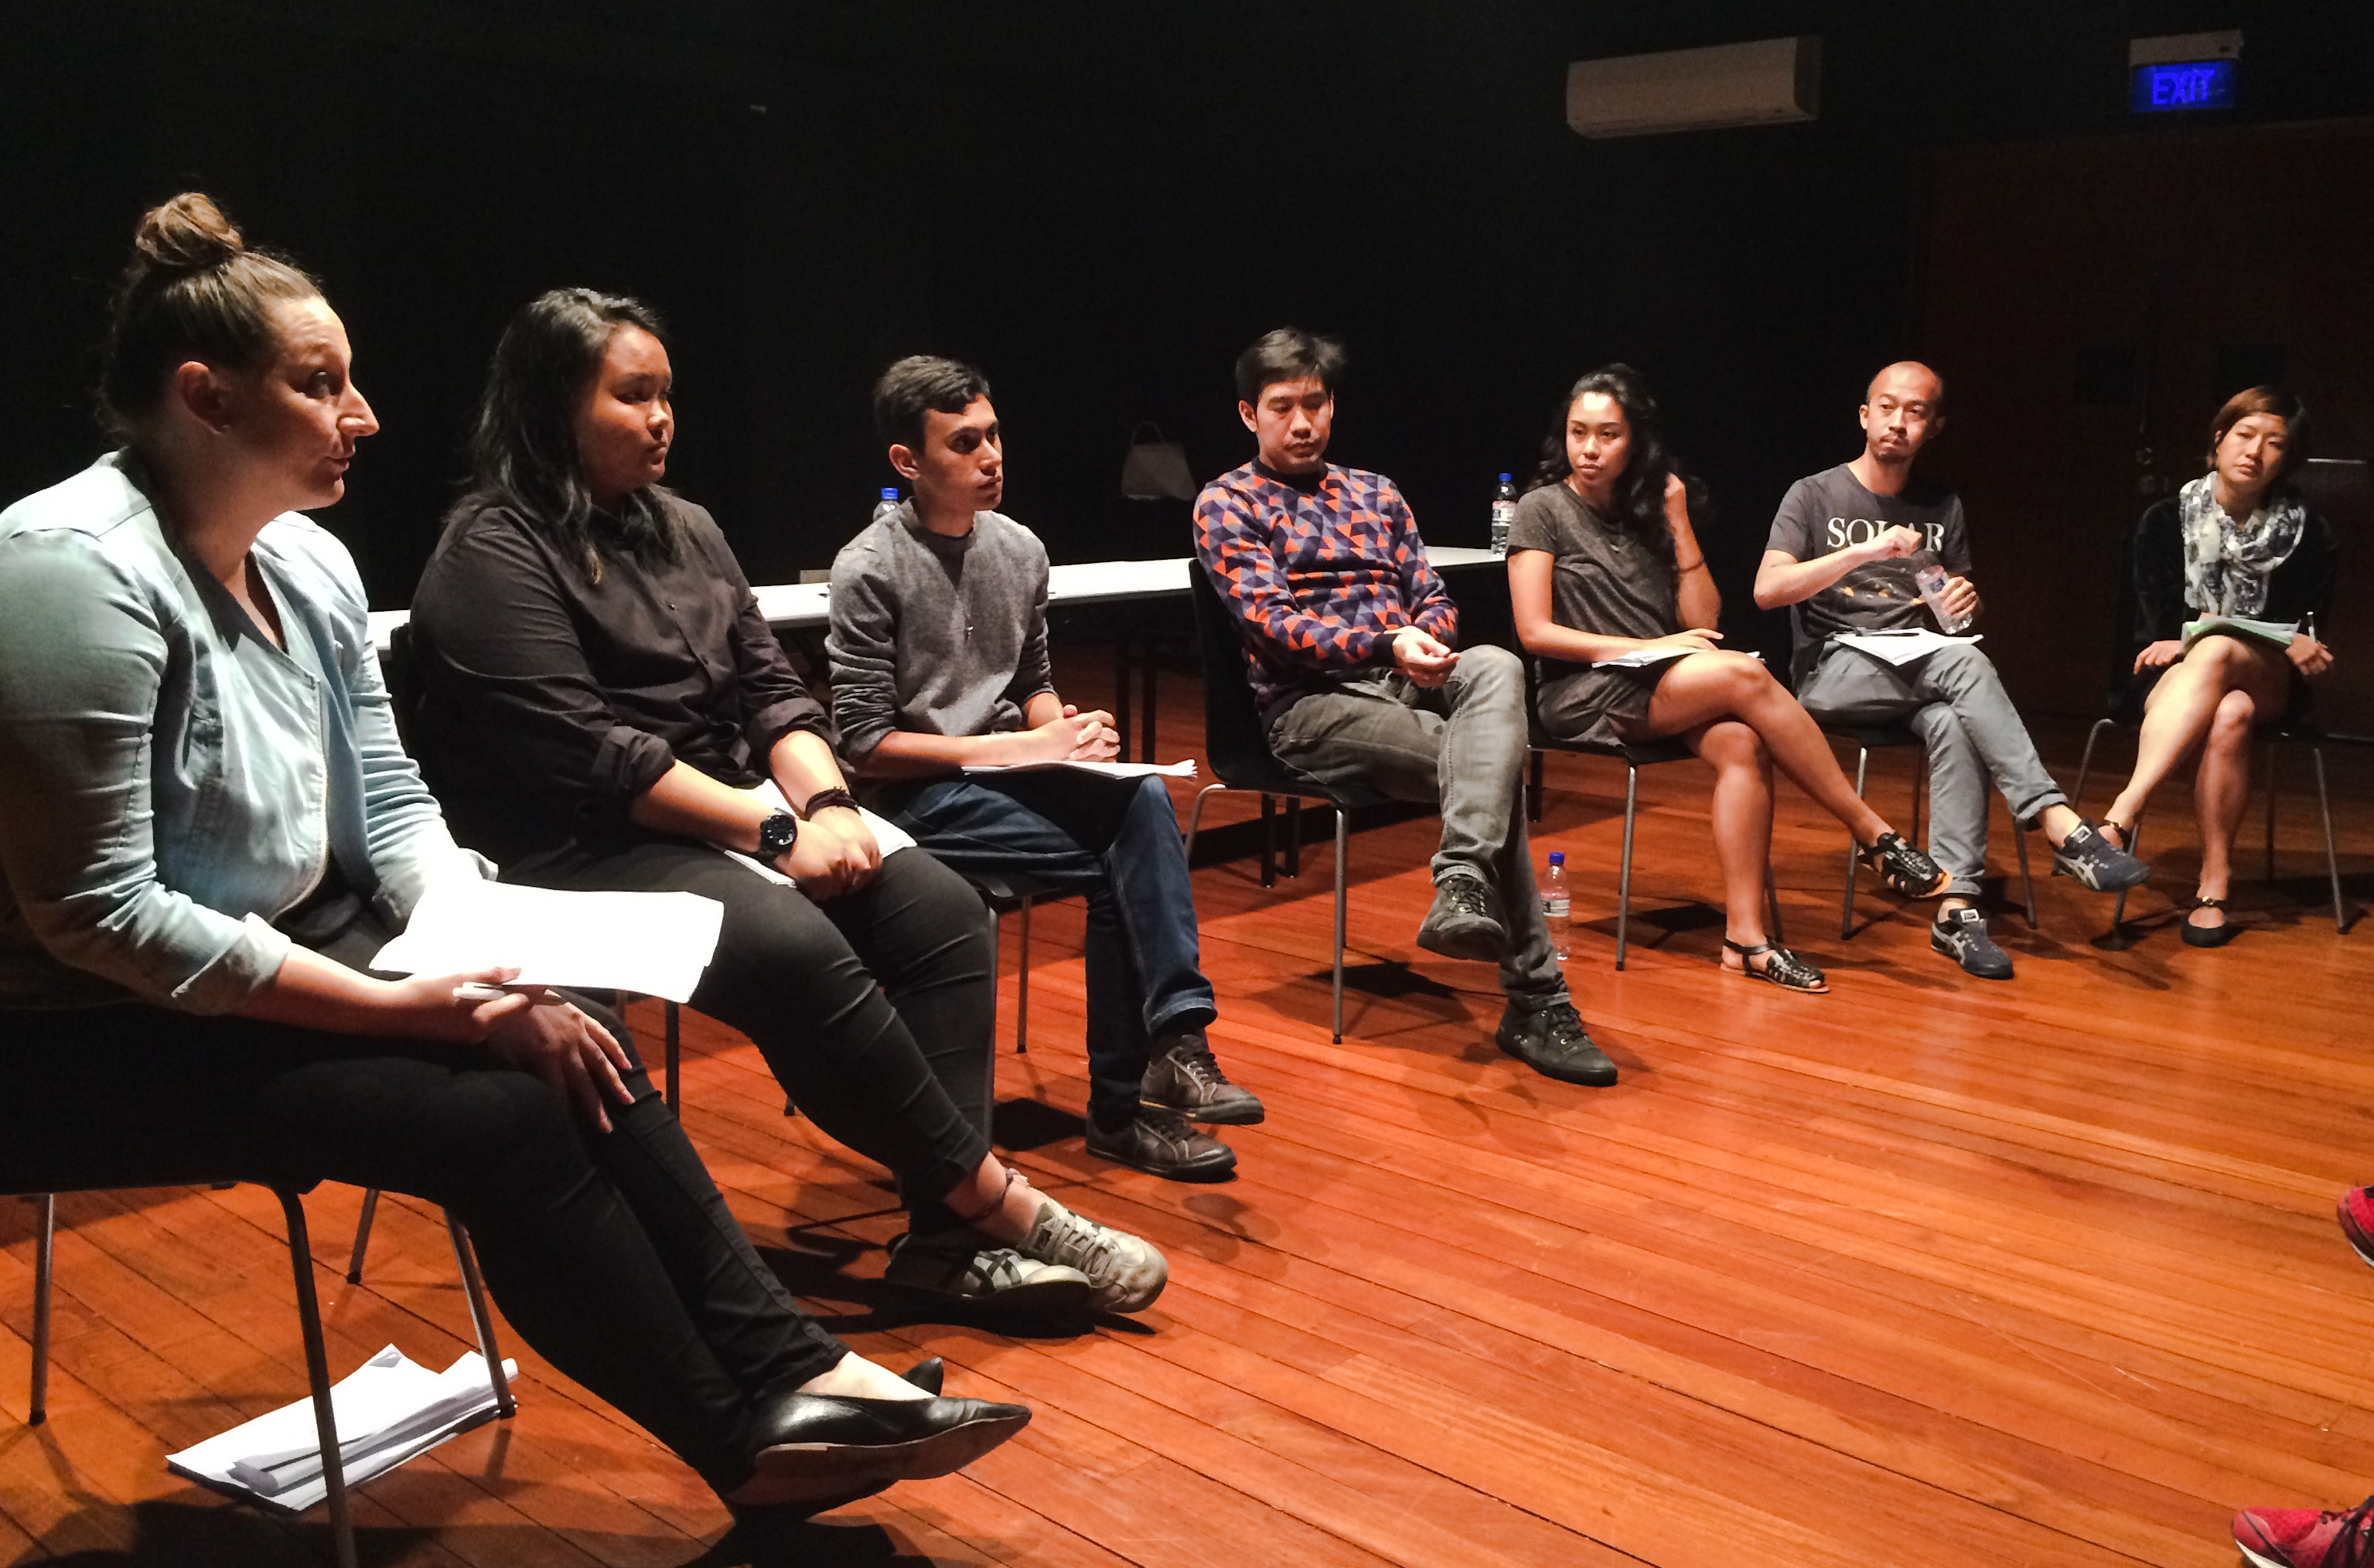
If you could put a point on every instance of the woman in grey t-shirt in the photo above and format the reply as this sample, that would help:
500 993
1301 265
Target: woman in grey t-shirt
1603 567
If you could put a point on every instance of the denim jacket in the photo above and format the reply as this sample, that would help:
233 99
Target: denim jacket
170 781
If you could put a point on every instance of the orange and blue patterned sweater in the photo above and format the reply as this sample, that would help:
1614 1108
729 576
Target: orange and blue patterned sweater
1319 575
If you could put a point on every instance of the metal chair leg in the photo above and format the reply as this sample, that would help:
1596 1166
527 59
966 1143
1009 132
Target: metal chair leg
1343 837
1294 836
1624 875
675 1052
1846 905
1022 985
2027 882
1195 816
2086 764
317 1377
2332 861
44 1265
482 1322
2273 751
1772 905
1269 841
1920 781
363 1235
2133 846
1538 761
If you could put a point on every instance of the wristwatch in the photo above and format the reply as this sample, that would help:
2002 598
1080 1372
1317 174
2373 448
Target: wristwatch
777 834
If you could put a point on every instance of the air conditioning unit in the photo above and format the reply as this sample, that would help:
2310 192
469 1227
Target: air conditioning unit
1766 83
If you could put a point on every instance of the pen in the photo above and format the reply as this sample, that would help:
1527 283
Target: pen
477 990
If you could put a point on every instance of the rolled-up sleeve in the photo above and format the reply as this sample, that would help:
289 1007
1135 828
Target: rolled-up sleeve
493 621
83 654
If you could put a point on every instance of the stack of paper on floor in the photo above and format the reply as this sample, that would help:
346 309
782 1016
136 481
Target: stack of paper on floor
388 1410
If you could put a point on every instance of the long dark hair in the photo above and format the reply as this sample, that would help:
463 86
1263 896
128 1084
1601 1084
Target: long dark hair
523 438
1640 488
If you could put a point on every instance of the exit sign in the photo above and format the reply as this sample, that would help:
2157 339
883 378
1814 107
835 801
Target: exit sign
2186 85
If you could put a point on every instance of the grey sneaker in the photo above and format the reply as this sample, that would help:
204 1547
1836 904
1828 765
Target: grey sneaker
1186 1077
2092 860
1124 1274
1961 935
1464 922
1553 1041
1164 1144
963 1265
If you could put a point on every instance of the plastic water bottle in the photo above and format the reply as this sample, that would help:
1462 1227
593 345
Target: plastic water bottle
1931 578
1556 909
1504 517
888 504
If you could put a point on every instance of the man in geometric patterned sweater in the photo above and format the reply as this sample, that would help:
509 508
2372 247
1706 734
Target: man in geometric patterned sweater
1351 644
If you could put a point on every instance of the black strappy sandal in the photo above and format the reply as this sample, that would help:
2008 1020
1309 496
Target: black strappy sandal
2207 936
1904 870
1784 968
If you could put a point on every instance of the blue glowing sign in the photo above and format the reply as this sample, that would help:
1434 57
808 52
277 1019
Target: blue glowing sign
2198 84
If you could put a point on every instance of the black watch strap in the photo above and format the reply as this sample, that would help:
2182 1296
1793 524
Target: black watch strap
777 834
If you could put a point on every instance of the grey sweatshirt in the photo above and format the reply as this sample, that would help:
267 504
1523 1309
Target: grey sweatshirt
946 637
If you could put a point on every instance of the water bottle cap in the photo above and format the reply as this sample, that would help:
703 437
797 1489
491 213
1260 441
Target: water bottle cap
1504 479
1557 857
889 492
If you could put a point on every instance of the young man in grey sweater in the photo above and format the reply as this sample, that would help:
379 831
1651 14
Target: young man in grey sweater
939 661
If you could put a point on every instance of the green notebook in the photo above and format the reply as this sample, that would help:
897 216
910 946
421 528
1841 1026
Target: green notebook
2276 634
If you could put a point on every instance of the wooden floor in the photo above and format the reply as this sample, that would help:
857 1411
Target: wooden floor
1926 1271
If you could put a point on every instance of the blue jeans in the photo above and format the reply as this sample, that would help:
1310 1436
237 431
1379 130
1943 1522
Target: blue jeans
1115 841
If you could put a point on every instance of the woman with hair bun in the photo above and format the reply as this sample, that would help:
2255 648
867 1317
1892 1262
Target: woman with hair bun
1603 565
208 827
2238 545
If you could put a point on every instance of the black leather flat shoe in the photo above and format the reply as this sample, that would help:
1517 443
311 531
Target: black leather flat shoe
927 1374
2208 936
814 1447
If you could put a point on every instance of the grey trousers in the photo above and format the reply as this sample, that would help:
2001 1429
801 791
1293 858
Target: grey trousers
1460 747
1955 701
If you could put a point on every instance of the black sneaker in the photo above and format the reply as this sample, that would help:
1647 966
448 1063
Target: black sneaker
2087 858
1163 1143
1552 1041
1961 935
1185 1078
1465 920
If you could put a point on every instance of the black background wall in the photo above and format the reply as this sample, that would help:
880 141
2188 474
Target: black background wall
1099 204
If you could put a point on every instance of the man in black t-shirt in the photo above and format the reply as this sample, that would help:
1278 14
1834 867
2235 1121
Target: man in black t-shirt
1841 556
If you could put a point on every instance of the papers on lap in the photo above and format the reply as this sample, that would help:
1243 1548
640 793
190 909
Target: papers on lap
653 943
1108 769
387 1410
1901 648
2273 634
1641 657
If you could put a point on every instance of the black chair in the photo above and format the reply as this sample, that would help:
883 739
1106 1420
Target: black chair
1633 758
1869 738
103 1169
1009 892
2124 707
1236 745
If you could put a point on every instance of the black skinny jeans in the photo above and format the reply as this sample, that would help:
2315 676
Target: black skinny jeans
612 1255
874 1009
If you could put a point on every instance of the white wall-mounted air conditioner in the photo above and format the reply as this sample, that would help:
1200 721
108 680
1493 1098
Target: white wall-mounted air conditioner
1765 83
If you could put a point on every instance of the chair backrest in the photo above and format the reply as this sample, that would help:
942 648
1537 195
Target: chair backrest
1236 742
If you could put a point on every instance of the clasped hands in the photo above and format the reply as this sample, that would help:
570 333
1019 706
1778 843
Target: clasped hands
532 1028
1425 659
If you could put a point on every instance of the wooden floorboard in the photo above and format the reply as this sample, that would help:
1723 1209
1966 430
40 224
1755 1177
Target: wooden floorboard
1925 1271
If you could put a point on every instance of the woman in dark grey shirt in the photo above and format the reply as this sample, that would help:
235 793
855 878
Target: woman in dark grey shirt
603 705
1603 568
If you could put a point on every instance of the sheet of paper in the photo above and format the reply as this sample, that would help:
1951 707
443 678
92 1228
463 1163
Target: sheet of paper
2273 634
653 943
1105 769
1641 657
387 1410
1901 648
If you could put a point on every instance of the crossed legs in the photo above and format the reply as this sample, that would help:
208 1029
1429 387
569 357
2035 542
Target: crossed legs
2209 701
